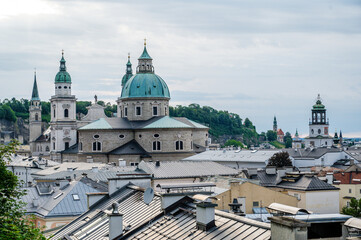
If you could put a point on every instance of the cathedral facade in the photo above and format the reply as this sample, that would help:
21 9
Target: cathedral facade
142 130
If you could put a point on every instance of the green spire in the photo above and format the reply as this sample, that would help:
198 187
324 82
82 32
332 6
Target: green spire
35 94
62 76
318 105
145 54
296 135
128 72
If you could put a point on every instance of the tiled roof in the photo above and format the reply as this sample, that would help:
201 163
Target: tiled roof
184 169
347 177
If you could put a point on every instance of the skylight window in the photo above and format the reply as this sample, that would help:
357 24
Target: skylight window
58 195
76 197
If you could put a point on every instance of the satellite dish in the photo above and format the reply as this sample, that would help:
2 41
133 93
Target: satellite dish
148 195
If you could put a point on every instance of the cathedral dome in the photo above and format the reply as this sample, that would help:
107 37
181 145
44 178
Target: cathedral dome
145 85
62 76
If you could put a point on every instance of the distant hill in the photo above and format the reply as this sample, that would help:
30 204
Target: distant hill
223 125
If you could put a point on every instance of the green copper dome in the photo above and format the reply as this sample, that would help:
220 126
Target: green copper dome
318 105
145 85
62 76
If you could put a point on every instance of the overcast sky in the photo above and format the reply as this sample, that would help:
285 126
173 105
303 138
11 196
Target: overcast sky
255 58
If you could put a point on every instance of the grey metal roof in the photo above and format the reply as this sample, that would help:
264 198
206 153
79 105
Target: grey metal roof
181 224
130 148
185 169
303 182
260 156
22 161
96 222
155 122
312 153
72 149
60 202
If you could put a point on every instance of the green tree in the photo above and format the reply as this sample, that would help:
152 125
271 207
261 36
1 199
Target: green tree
235 143
9 114
288 143
280 159
13 222
354 209
271 135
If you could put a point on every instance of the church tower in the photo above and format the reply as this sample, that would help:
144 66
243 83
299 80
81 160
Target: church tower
63 113
318 126
34 116
274 124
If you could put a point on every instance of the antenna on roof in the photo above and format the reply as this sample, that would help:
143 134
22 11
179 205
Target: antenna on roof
148 195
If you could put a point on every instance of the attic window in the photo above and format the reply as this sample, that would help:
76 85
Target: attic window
156 135
76 197
96 136
121 136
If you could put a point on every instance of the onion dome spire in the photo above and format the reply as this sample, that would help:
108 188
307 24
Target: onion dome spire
128 72
145 54
35 94
296 135
62 76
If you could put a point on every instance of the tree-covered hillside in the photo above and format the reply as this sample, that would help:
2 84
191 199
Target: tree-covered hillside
223 125
220 123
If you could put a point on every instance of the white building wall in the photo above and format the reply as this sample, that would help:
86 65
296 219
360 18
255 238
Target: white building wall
323 201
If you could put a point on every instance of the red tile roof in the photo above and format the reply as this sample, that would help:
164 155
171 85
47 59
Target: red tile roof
347 177
280 132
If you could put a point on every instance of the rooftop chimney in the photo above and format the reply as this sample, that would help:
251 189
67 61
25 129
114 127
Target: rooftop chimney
115 222
35 202
92 198
205 212
271 170
286 226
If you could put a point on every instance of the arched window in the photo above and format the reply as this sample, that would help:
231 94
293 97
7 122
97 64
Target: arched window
97 146
156 146
36 117
80 146
47 149
179 145
66 113
155 111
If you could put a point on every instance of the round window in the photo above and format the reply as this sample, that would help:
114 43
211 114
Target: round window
59 87
96 136
121 136
156 135
319 131
140 135
65 87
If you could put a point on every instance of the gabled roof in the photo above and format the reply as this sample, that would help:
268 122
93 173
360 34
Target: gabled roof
99 124
312 152
167 122
94 223
60 201
155 122
181 224
130 148
186 169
